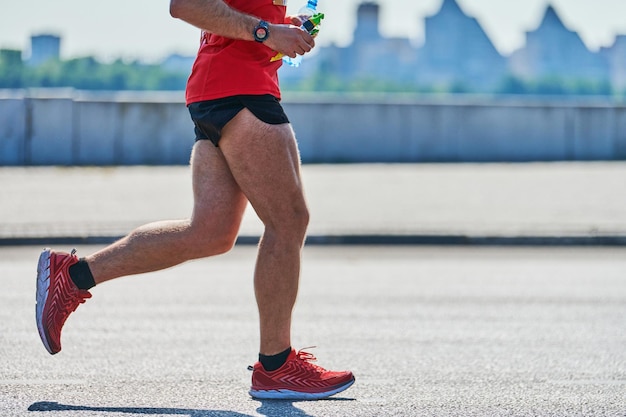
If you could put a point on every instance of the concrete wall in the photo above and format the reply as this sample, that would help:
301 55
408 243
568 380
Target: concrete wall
75 128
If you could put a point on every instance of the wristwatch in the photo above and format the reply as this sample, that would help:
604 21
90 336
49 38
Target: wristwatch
261 31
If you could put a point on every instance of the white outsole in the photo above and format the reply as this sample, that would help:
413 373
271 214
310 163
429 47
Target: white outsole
285 394
43 284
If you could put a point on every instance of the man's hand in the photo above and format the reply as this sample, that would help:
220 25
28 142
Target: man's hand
290 40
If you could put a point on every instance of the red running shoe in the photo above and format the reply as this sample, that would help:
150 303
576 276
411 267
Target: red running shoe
57 296
298 379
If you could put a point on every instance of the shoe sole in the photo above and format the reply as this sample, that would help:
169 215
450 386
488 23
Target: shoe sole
285 394
43 285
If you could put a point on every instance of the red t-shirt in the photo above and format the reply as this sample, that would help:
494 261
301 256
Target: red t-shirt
226 67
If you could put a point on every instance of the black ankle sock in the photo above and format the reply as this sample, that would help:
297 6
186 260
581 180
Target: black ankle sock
273 362
81 275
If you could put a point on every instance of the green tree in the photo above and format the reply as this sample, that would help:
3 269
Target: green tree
87 73
512 85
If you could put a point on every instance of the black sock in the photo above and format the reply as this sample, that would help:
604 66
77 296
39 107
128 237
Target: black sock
273 362
81 275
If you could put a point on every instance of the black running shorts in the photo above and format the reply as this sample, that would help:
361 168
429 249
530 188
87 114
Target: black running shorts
211 116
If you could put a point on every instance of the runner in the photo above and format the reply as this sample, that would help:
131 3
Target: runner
245 151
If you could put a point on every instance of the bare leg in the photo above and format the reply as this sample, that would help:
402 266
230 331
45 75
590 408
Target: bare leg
219 205
265 163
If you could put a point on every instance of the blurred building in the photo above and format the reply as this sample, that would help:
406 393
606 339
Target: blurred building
552 50
458 53
370 56
615 56
11 66
457 50
11 57
44 48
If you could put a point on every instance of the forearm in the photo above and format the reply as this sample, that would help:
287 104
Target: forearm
216 17
219 18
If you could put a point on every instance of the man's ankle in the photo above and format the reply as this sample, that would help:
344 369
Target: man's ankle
273 362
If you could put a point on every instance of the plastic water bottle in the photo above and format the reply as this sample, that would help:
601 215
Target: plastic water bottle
309 10
304 14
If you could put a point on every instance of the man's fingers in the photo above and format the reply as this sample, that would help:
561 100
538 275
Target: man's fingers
290 40
309 42
295 20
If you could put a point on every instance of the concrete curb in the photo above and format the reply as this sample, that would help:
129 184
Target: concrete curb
365 239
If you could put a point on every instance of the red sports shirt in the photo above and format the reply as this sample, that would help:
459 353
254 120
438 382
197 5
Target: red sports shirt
226 67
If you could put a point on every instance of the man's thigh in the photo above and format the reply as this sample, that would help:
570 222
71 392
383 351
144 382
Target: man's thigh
217 196
265 162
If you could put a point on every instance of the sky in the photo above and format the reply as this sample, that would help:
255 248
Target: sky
144 30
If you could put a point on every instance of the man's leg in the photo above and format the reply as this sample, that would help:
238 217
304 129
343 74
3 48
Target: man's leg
218 209
265 163
219 205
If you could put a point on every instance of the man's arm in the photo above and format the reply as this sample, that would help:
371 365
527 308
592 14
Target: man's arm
217 17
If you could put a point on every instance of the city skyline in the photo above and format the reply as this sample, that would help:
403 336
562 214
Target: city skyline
506 23
458 55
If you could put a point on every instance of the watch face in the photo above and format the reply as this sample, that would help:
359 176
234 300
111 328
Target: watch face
261 33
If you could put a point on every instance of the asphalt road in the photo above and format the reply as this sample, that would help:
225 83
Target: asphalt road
427 331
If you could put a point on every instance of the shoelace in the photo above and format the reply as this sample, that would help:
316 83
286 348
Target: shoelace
307 359
79 297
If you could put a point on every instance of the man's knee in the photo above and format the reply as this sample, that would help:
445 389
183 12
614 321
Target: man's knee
293 221
303 217
209 241
221 244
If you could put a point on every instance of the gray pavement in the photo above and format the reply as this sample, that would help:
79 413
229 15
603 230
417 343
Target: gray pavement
534 203
428 331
